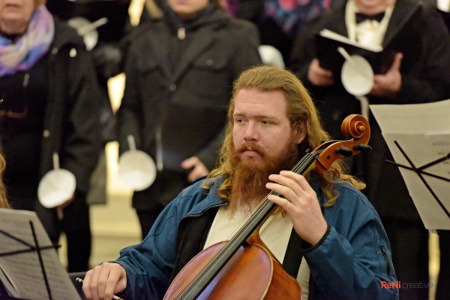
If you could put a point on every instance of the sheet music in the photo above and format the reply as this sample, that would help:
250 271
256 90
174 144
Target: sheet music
423 132
21 273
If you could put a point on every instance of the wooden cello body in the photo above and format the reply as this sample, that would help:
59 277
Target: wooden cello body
243 267
252 273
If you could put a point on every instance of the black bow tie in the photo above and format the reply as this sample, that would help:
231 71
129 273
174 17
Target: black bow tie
362 17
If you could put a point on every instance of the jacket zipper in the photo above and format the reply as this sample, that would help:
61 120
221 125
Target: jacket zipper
388 264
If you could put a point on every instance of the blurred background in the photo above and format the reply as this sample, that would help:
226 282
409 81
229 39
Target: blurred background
115 224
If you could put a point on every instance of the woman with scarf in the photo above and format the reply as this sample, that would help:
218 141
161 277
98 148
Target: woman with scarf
179 75
49 104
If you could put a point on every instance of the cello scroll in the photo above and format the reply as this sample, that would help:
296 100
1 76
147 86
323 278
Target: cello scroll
354 126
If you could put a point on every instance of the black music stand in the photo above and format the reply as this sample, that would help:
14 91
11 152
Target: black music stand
26 245
418 138
422 174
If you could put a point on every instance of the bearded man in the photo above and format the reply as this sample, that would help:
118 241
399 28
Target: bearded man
272 121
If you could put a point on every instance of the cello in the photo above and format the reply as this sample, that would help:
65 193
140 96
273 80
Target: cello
243 267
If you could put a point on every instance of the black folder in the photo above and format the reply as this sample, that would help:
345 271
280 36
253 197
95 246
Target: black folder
327 44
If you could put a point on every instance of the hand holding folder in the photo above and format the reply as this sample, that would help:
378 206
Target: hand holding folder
328 42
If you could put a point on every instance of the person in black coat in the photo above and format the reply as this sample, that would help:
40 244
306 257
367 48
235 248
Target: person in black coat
179 75
50 100
418 74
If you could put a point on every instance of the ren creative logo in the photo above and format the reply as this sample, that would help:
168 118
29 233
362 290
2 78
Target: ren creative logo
405 285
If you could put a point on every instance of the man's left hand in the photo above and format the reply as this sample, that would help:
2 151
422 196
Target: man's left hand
301 204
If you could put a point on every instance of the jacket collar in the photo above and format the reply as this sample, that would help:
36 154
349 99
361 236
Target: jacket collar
403 12
204 37
210 201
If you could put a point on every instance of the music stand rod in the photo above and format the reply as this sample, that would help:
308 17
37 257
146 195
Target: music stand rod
41 261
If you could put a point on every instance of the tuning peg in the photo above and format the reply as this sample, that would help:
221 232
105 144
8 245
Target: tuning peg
363 148
344 151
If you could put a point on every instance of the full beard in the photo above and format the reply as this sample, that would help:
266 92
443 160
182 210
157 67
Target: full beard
251 175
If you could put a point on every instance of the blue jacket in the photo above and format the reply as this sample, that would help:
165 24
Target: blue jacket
352 261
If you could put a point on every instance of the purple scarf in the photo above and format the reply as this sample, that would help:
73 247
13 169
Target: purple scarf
23 55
